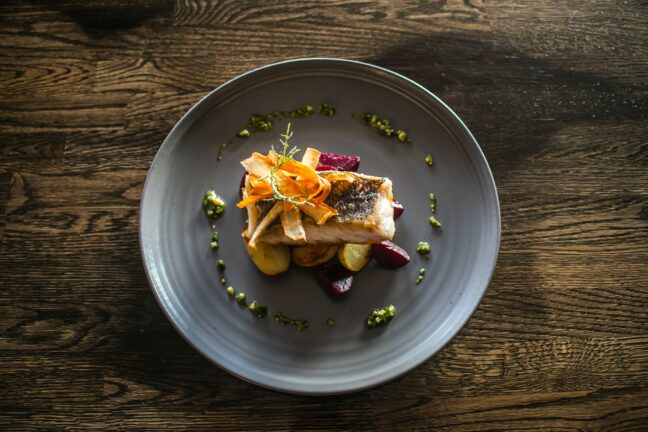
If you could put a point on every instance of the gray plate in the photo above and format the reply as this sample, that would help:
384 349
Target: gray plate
174 233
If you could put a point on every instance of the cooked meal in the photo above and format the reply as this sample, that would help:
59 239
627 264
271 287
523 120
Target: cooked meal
291 202
317 212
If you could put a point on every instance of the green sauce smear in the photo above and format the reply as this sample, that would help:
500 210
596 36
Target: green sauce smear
300 325
383 127
380 317
265 122
326 110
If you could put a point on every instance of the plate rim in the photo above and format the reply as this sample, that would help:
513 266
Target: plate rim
451 335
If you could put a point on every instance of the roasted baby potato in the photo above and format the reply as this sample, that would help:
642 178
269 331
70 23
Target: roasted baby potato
270 259
313 255
354 256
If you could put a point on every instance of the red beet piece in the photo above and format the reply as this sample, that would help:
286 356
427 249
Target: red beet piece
340 162
333 278
390 254
398 208
340 287
325 168
242 185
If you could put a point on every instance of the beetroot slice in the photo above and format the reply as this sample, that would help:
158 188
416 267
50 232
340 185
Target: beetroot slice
333 278
340 287
398 208
340 162
390 254
325 168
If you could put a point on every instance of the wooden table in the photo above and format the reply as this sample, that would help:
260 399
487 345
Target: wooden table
555 92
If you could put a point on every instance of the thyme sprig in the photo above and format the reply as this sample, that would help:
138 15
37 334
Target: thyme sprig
286 155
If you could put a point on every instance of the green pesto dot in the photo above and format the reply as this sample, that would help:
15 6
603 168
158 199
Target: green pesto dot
213 205
257 309
420 276
435 223
423 248
240 297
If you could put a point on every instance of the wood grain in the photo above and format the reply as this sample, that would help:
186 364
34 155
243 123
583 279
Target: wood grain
557 95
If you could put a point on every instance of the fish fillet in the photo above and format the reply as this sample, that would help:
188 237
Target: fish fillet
364 207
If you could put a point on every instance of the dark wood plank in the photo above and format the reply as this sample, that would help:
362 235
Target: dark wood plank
79 112
557 95
406 16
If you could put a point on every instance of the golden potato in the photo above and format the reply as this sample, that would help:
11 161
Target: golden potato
312 255
270 259
354 256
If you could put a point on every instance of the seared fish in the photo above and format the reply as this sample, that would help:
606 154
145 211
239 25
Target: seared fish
364 213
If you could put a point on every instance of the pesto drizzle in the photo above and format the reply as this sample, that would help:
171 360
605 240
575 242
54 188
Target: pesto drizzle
435 223
423 248
213 205
222 148
213 244
419 278
380 317
383 127
300 325
432 203
240 298
326 109
265 122
257 309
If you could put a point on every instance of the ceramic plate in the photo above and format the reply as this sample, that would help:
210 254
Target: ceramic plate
175 234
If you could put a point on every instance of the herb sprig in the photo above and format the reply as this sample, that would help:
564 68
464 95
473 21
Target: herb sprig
286 155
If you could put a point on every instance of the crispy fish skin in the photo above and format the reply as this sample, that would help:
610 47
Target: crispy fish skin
365 213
